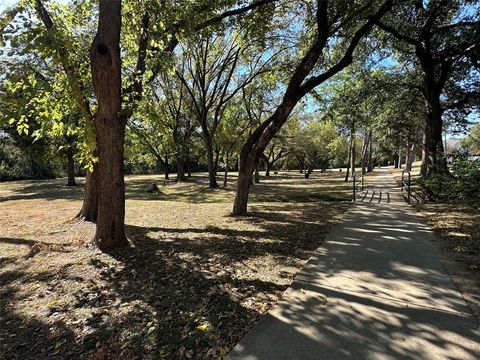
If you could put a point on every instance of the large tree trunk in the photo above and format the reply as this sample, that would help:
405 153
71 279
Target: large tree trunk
89 210
109 127
70 167
246 165
180 159
437 162
425 150
212 175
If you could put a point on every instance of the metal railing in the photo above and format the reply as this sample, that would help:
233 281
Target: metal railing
356 183
407 185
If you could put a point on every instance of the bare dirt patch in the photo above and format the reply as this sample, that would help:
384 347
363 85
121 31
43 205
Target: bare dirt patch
194 281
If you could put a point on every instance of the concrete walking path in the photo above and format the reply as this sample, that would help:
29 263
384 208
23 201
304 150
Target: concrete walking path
374 290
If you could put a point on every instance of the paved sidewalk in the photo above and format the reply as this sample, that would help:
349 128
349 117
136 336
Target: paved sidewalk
373 290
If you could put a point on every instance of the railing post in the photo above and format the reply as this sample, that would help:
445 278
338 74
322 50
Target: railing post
409 189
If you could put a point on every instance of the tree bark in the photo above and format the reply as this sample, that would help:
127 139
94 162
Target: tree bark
370 153
410 157
110 127
399 161
180 159
89 210
425 150
243 189
297 88
437 162
217 159
212 175
70 167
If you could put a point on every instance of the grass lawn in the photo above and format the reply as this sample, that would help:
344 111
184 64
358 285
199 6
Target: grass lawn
194 281
457 230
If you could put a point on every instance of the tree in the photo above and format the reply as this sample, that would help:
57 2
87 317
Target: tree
109 126
329 19
444 38
218 68
151 45
471 142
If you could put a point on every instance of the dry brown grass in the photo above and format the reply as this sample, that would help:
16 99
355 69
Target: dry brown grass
193 282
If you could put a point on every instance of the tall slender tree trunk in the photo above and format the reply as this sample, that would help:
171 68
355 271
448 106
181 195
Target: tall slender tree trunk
70 167
399 157
349 160
110 127
364 153
267 168
225 174
189 172
89 210
370 153
217 159
212 175
437 161
166 169
410 156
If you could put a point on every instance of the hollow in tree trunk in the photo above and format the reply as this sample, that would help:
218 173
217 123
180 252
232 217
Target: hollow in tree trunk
109 127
